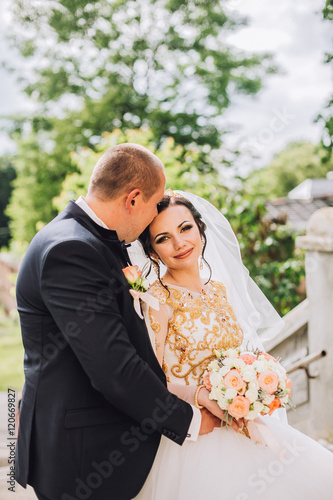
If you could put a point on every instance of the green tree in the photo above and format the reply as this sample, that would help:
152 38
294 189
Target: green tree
124 64
7 175
326 116
180 166
290 167
118 64
38 179
268 251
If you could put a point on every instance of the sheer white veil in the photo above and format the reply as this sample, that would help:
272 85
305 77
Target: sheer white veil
256 315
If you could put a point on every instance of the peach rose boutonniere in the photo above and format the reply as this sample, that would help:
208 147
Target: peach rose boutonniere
139 286
135 279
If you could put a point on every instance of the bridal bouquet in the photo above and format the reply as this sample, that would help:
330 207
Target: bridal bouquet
247 384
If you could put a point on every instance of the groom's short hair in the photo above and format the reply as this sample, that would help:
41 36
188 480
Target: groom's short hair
123 168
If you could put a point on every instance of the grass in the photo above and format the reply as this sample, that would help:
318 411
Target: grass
11 349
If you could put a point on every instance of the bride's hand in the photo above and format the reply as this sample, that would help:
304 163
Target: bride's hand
213 407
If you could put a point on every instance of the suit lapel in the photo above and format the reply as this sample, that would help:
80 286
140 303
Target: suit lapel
107 236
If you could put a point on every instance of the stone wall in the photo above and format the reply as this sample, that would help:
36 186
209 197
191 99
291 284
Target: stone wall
309 330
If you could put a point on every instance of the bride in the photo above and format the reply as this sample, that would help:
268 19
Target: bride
188 239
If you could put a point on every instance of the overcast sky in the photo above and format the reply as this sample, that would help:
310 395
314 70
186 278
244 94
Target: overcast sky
284 110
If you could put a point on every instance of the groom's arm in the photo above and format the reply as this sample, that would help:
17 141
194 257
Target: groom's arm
74 274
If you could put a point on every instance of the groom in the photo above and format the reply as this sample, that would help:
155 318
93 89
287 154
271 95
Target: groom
95 402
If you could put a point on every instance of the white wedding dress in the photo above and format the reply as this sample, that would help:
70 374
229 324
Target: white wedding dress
284 464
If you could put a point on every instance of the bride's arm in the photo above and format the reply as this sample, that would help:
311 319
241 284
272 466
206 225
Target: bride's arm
158 324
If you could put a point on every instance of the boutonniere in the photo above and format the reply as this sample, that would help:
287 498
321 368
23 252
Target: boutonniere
139 286
135 279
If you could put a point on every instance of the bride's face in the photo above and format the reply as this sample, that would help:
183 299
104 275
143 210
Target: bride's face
175 238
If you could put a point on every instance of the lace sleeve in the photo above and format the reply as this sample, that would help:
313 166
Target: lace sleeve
158 321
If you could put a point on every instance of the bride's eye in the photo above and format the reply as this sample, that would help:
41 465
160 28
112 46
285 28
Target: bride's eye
161 240
186 228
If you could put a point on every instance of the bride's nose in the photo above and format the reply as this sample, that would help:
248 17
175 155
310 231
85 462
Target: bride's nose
178 242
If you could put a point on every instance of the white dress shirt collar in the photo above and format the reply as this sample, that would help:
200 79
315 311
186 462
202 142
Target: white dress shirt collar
84 205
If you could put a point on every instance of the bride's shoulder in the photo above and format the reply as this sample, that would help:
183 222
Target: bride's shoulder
217 286
158 291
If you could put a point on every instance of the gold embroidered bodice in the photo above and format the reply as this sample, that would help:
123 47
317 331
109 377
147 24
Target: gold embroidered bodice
198 323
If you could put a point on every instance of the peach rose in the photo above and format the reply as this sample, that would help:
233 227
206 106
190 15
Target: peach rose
233 380
248 358
207 383
267 356
276 403
240 407
268 381
288 385
132 273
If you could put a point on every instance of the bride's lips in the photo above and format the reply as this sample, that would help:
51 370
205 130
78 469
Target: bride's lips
183 255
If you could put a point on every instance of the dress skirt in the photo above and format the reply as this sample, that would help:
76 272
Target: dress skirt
230 466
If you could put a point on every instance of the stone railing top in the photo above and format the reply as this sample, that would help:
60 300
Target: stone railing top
294 321
319 233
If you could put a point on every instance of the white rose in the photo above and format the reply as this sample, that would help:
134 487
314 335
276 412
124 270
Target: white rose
259 366
273 364
232 353
284 400
239 364
257 406
213 365
281 371
251 415
265 409
254 384
249 374
224 370
252 395
262 359
223 403
215 394
282 383
230 393
229 362
215 378
268 399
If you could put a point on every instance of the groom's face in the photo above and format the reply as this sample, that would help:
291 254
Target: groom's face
146 211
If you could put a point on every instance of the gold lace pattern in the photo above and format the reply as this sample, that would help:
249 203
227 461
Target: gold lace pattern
200 323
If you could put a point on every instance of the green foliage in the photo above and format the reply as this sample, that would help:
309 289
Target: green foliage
298 162
38 180
326 116
131 63
7 175
268 251
180 165
328 10
12 352
101 66
119 65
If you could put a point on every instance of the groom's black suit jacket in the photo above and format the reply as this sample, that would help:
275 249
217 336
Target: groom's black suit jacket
95 401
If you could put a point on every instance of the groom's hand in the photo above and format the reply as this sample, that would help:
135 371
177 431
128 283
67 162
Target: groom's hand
208 422
213 407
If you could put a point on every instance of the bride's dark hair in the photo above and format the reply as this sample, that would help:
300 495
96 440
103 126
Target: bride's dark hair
166 202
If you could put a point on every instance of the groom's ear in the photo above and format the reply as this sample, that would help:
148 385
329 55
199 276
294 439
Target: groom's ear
132 199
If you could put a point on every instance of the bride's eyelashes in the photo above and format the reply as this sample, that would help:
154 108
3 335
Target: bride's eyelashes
160 240
186 228
183 229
